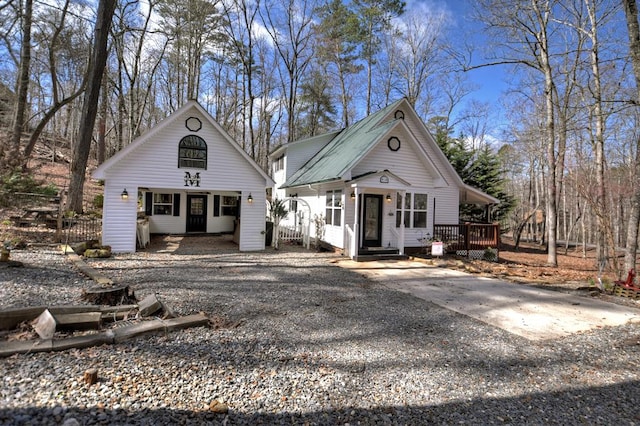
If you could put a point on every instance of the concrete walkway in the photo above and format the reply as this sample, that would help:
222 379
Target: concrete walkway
524 310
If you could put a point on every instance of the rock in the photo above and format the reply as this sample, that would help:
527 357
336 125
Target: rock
102 252
218 407
71 422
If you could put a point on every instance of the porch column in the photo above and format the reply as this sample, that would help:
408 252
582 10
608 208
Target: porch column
355 244
403 194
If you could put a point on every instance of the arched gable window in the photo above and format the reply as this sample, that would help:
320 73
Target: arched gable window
192 153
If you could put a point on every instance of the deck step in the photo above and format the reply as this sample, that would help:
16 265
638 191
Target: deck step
379 253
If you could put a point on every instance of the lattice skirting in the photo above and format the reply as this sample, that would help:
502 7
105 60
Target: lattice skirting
479 254
626 292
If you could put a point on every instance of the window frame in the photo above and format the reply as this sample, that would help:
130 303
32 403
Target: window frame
162 207
191 162
415 210
278 164
333 205
411 211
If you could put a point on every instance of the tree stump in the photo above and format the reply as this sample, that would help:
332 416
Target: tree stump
109 295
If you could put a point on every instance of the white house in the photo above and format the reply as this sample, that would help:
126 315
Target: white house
379 184
186 175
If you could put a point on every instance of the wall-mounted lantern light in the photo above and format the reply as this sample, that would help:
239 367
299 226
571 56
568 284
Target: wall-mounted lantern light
353 195
388 198
124 194
249 199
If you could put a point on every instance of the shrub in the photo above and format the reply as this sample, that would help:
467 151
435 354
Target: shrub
489 255
98 201
20 182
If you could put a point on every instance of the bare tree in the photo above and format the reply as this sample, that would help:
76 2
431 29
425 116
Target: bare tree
292 40
56 48
10 156
524 28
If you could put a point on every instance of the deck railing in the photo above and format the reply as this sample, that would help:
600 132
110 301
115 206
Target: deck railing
469 239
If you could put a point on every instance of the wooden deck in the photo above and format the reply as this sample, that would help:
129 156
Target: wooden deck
469 239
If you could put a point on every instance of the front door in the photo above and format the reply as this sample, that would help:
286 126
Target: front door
196 213
372 220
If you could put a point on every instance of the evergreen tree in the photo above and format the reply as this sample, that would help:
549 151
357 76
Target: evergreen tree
481 168
486 174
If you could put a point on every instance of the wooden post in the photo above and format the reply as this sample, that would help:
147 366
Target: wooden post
90 376
467 235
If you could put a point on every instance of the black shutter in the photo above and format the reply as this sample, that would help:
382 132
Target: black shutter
216 205
176 204
148 203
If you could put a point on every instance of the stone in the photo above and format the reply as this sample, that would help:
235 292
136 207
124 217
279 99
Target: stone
218 407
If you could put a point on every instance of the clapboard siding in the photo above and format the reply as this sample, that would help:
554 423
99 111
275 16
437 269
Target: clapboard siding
299 153
404 163
119 217
155 163
252 222
422 136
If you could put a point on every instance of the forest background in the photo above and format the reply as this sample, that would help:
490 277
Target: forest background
560 148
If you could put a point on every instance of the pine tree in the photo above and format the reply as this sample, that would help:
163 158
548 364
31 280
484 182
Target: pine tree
486 174
481 168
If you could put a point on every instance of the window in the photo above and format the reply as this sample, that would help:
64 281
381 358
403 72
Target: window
407 208
415 210
229 206
334 208
163 204
419 210
192 153
278 163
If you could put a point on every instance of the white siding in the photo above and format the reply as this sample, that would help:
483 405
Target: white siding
155 163
432 149
252 222
119 217
298 154
405 163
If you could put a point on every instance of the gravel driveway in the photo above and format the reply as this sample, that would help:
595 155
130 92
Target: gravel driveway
298 340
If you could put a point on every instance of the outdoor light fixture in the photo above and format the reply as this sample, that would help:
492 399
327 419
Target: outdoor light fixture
249 199
124 194
388 198
353 195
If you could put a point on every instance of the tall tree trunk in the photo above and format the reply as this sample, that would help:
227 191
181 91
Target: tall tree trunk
631 12
11 154
97 65
102 122
552 196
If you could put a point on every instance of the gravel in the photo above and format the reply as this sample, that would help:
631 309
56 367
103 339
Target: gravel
296 339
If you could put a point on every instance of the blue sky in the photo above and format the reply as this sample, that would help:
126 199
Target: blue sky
490 82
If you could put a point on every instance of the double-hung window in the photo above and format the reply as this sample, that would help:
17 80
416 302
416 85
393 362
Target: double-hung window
334 208
419 210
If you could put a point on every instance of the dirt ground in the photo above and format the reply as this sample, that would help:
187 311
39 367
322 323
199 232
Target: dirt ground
528 264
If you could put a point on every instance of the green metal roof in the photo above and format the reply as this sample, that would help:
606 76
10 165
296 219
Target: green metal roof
318 139
344 151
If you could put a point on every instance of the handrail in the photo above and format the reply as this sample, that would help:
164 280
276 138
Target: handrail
468 236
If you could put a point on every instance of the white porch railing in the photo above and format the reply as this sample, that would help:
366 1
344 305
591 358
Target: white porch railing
397 238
